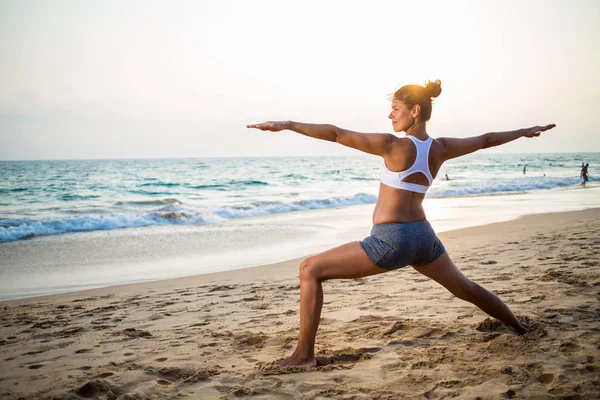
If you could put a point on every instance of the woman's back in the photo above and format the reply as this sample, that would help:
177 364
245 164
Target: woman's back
401 205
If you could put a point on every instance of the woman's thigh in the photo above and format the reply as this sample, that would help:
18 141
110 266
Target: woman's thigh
347 261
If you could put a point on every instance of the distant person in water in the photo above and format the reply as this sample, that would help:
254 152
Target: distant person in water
447 177
584 173
524 169
401 234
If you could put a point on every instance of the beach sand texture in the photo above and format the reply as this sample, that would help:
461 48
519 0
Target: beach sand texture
392 336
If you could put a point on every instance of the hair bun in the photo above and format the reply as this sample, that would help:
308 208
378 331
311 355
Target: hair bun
433 89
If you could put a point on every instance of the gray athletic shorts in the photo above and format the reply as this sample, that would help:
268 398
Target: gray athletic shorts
392 246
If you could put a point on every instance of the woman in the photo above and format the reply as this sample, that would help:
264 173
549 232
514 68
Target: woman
401 234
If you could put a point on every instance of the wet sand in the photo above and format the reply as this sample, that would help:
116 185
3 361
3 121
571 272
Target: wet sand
396 335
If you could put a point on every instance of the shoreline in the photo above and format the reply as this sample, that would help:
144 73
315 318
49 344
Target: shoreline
62 264
268 270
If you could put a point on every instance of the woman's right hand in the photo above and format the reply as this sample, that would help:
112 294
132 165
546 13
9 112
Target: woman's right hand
273 126
536 130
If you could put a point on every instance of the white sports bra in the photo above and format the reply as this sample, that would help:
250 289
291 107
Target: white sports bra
421 164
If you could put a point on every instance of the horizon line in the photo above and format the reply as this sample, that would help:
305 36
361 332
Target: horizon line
263 156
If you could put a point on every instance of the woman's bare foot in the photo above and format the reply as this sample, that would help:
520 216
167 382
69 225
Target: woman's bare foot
521 329
294 361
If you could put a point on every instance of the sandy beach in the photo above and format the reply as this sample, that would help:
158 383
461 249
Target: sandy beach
393 336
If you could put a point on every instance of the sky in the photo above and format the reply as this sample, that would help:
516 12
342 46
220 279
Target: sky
160 79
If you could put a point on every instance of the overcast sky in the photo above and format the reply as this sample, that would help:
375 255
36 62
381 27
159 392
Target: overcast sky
144 79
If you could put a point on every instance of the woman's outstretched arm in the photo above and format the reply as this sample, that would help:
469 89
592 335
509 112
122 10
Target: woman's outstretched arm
372 143
456 147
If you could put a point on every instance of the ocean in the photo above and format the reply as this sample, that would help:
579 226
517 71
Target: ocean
40 198
69 225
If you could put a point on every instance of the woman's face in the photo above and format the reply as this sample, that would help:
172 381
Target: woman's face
402 118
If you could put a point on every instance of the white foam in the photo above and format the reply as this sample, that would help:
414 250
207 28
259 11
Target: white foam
174 211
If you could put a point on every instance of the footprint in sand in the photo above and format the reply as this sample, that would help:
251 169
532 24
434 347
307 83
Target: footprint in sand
186 375
199 324
251 340
103 375
522 299
490 325
71 332
507 370
39 350
421 365
94 389
393 366
545 378
490 336
569 346
345 359
133 333
221 288
449 384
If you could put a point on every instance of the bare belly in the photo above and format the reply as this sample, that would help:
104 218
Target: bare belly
398 206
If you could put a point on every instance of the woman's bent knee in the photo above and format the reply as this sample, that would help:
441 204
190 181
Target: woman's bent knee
309 268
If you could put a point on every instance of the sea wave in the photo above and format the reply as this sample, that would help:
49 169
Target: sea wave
171 212
249 182
160 184
153 202
15 190
77 197
295 176
263 208
37 227
500 186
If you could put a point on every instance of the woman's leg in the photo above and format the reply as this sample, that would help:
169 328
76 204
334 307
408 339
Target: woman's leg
344 262
446 273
